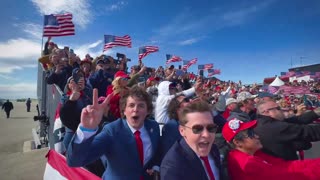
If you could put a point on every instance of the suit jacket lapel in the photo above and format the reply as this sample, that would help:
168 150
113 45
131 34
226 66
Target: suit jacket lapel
152 136
193 159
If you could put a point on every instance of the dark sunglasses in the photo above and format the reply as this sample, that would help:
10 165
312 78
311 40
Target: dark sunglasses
197 129
125 79
251 134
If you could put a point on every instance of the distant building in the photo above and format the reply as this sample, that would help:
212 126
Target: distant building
311 68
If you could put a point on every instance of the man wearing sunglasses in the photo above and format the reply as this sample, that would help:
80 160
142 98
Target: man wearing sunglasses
283 137
194 156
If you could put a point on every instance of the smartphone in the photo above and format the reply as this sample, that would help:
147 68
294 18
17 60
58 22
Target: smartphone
305 101
201 72
179 72
76 75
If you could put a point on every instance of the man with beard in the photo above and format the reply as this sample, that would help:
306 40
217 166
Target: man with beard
282 137
194 156
129 144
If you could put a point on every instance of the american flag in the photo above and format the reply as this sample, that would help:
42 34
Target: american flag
172 58
299 74
212 72
58 25
205 66
145 50
112 41
187 64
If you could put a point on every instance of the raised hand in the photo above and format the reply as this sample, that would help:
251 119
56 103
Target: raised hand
92 114
301 108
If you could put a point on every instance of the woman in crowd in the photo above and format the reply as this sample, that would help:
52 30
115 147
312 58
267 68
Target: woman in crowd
118 89
77 97
245 161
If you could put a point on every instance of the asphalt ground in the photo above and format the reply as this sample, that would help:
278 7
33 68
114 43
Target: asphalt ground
17 160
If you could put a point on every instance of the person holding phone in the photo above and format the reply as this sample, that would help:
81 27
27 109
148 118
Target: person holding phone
75 98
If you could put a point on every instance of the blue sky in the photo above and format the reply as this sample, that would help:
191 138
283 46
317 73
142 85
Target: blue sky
247 39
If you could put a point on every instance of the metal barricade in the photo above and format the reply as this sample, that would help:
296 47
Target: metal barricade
49 97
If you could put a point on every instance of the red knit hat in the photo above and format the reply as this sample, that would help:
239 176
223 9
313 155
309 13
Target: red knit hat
234 126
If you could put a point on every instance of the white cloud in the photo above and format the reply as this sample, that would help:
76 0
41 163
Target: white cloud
240 16
20 90
20 48
79 8
117 6
6 77
189 41
33 30
185 22
91 49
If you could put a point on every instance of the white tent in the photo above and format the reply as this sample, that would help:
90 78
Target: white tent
277 82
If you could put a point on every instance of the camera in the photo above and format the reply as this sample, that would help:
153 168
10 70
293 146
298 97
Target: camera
43 118
121 56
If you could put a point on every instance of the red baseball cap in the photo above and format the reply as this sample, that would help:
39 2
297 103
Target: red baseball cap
234 126
121 74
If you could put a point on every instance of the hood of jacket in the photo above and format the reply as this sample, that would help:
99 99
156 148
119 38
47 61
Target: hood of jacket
163 88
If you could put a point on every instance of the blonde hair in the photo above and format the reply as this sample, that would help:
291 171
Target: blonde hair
117 88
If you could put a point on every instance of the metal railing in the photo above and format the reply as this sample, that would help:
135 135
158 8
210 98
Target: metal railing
49 97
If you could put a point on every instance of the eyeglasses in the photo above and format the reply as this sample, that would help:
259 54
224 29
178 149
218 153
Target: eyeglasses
197 129
274 108
125 79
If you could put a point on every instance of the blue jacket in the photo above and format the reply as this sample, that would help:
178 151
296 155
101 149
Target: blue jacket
117 143
170 134
181 162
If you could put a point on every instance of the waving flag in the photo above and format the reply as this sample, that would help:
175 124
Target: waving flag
208 66
187 64
112 41
145 50
205 66
57 168
58 132
212 72
172 58
58 25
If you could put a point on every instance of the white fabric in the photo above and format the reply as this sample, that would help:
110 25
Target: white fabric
83 135
58 131
163 100
52 174
277 82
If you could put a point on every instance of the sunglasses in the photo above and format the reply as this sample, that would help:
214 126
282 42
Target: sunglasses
125 79
197 129
251 134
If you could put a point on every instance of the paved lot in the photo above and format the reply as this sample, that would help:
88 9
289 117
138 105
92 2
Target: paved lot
14 163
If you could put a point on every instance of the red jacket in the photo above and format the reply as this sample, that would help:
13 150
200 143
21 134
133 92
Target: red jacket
226 113
242 166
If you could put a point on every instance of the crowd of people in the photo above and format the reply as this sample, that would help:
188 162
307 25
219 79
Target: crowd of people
140 122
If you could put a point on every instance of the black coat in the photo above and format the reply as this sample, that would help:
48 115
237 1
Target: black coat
181 162
284 138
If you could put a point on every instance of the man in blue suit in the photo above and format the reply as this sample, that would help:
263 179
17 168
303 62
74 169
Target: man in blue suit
194 156
128 144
